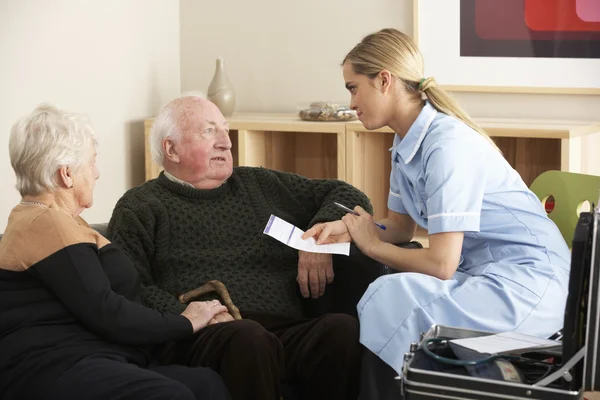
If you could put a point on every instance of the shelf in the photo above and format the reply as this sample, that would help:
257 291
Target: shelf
519 128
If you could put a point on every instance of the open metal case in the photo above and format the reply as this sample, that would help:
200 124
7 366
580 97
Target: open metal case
591 310
579 366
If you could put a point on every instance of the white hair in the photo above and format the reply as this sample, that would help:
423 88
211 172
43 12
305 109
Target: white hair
45 140
165 126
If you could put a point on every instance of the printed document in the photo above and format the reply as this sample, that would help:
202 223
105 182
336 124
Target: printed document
507 343
291 235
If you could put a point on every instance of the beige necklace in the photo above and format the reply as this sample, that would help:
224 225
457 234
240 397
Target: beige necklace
33 203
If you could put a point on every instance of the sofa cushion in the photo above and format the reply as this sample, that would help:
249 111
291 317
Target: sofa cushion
101 228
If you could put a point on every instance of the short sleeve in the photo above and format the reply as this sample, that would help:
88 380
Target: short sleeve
454 185
395 201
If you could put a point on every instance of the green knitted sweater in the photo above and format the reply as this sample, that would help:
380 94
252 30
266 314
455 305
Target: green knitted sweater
179 237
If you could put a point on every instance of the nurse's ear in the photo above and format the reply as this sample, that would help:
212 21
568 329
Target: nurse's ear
385 79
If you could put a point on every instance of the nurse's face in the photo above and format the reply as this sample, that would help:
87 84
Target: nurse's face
368 97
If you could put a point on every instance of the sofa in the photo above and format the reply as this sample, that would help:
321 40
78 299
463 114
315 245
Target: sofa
353 275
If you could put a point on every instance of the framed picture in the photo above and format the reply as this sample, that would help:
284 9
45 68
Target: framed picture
527 46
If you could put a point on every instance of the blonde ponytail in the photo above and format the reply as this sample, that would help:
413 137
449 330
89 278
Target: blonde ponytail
394 51
443 102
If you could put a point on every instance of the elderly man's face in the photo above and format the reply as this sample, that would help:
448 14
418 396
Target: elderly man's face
204 148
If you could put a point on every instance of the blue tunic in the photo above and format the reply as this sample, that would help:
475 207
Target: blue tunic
514 267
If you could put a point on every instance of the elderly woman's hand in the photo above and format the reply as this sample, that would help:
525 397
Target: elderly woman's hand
223 317
200 313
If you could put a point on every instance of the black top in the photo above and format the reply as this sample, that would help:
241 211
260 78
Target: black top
66 292
180 238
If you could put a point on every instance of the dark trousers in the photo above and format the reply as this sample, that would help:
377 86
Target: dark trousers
319 357
103 377
378 379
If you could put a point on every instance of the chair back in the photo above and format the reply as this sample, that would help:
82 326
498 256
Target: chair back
564 196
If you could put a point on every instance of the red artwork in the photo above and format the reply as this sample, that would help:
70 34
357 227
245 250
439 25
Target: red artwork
509 22
557 15
530 28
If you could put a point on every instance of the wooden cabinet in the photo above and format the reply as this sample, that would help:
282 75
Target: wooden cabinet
347 151
285 143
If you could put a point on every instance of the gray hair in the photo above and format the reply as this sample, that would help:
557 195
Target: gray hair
165 126
45 140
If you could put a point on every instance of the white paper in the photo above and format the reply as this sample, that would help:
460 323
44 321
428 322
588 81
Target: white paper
505 343
291 235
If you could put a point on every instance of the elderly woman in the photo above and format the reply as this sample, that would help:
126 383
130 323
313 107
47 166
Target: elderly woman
71 325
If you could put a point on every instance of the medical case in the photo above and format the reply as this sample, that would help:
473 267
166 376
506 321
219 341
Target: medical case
424 380
575 366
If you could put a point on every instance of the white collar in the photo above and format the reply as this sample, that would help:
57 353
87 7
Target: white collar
173 178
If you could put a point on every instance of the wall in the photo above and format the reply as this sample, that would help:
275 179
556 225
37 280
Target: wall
119 61
115 60
280 54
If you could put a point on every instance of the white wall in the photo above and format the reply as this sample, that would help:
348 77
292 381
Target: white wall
279 54
116 60
119 60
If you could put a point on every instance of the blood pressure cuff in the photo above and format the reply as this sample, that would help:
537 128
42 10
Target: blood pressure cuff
499 369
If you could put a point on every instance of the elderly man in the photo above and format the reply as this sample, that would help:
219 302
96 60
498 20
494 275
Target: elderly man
202 220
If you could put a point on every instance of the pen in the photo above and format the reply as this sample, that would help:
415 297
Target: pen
343 207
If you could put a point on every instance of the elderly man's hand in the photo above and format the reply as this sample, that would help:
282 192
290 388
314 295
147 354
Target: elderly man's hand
315 271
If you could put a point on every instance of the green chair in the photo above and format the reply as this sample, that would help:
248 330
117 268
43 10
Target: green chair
571 194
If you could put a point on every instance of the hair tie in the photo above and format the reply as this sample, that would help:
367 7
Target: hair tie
421 83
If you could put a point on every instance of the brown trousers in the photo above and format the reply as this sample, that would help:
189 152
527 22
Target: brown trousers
313 358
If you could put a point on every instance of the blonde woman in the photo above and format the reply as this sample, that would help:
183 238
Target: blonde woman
495 261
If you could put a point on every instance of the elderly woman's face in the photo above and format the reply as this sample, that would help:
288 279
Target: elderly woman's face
204 147
85 180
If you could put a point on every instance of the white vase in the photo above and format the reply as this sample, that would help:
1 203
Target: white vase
220 90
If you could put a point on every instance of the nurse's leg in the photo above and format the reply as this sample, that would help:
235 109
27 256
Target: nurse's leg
397 310
391 300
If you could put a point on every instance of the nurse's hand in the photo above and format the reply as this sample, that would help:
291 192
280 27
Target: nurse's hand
362 229
328 232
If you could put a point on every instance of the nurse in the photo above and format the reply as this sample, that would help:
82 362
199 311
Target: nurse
495 261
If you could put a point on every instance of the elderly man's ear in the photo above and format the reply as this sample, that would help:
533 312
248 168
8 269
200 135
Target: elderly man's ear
64 176
170 151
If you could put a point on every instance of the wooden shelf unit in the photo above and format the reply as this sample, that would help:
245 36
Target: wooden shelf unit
347 151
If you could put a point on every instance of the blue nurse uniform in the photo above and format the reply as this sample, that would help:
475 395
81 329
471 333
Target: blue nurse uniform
514 267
